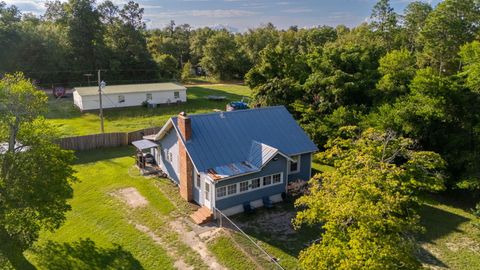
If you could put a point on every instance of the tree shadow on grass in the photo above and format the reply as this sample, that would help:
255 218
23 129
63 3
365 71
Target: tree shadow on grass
90 156
427 258
438 222
84 254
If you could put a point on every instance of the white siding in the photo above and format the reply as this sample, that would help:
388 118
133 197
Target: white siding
131 99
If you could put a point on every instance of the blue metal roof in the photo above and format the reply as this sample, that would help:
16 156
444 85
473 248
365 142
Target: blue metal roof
261 153
224 138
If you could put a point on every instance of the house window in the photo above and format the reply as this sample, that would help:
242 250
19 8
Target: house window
168 155
149 96
255 183
232 189
277 178
267 180
176 95
121 99
294 165
243 186
197 181
221 192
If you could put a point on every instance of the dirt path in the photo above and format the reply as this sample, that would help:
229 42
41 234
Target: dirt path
179 262
191 239
131 197
186 234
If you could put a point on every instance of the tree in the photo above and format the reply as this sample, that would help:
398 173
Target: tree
221 57
198 40
35 173
384 21
20 102
85 34
451 24
367 205
470 55
415 15
168 66
255 40
187 72
397 69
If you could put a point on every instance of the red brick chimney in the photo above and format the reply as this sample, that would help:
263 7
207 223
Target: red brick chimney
185 164
185 125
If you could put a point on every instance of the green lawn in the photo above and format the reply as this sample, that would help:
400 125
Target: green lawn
99 216
229 255
70 121
452 237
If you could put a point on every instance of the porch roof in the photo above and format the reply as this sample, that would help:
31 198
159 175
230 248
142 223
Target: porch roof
144 144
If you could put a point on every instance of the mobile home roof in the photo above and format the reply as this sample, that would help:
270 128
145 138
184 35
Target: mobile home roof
130 88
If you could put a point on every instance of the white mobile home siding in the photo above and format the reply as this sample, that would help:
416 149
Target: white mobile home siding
91 102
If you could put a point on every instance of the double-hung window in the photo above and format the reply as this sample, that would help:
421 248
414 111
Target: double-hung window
277 178
176 95
149 96
243 186
221 192
197 181
267 180
294 165
232 189
255 183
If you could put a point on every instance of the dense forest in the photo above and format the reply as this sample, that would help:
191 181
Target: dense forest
415 75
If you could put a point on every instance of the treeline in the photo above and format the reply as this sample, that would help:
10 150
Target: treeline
416 73
75 38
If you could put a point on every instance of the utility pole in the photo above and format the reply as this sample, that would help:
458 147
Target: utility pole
101 105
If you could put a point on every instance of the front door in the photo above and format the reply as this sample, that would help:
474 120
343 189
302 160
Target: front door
207 194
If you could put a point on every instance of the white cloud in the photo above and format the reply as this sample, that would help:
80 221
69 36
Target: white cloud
208 13
298 10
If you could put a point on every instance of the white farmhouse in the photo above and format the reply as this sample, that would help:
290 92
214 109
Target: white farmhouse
116 96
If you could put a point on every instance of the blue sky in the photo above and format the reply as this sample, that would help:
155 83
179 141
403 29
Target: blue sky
244 14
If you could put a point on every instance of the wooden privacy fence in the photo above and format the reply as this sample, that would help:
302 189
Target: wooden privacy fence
88 142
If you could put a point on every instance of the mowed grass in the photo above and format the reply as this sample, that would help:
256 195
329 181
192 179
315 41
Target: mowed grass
71 122
229 255
452 236
98 215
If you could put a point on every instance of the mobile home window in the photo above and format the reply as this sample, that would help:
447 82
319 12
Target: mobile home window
221 192
176 94
277 178
255 183
149 96
232 189
243 186
121 99
294 164
267 180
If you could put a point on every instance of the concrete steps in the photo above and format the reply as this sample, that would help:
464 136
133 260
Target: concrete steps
202 216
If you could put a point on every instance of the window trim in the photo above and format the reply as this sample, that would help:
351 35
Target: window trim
239 192
299 158
176 94
149 96
121 98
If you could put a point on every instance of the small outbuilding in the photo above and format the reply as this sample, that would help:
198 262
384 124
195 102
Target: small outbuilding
116 96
